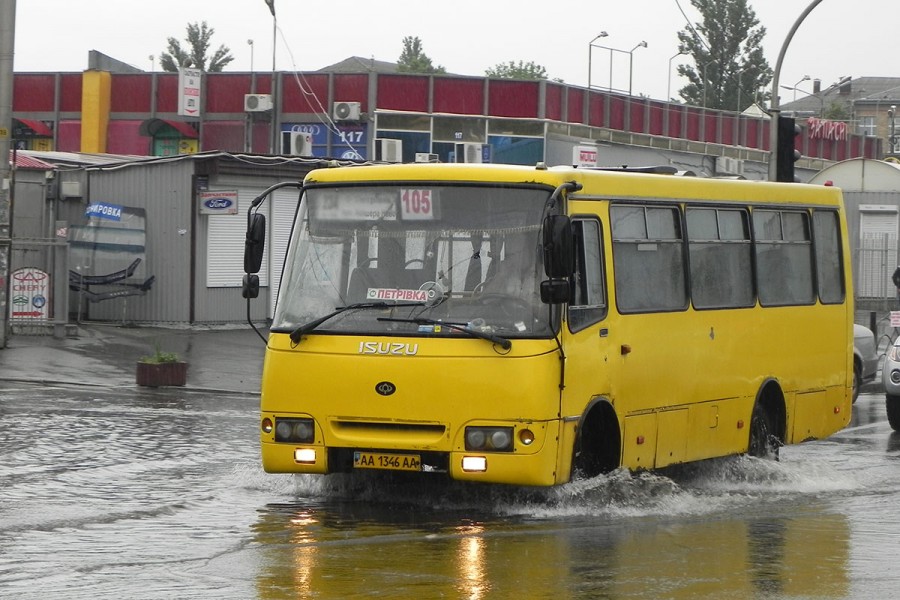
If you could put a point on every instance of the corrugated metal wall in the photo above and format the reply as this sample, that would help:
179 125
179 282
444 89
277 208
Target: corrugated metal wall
164 191
181 252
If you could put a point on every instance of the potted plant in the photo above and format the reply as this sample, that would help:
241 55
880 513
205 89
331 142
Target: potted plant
161 369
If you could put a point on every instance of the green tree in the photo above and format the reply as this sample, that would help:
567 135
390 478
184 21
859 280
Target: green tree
195 54
729 65
517 70
837 111
414 60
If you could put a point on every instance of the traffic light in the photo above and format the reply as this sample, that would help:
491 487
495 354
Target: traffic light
787 154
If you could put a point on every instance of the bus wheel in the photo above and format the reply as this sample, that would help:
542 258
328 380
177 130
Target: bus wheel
892 403
857 374
763 441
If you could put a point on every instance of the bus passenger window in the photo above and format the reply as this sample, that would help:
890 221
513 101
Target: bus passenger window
720 258
784 259
648 258
829 274
588 305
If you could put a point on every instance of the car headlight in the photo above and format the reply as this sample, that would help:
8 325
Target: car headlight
894 353
295 431
498 439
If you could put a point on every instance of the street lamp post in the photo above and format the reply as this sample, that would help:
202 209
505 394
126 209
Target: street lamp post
250 43
602 34
271 5
669 86
821 99
642 44
775 109
705 80
893 139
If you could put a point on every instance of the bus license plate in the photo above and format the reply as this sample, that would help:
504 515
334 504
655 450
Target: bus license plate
392 462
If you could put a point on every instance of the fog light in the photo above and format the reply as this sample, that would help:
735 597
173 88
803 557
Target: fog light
474 463
526 436
305 455
267 425
895 376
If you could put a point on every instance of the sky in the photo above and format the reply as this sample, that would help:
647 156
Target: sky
838 38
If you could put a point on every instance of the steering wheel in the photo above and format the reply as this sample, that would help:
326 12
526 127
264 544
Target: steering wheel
508 303
414 260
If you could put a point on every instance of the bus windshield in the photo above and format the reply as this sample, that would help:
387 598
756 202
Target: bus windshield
408 258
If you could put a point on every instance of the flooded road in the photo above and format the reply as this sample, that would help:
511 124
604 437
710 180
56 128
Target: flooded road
133 493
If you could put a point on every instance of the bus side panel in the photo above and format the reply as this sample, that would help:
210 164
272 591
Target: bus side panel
639 441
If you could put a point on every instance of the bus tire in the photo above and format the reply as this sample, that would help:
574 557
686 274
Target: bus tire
892 404
598 447
764 442
857 378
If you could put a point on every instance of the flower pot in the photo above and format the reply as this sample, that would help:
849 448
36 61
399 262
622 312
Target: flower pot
161 374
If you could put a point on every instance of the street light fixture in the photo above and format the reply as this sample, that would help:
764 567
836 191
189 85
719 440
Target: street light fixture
642 44
250 43
602 34
805 78
705 80
669 84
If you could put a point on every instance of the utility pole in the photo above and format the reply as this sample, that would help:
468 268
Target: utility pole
775 108
7 50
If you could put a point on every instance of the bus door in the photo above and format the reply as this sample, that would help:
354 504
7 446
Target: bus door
588 350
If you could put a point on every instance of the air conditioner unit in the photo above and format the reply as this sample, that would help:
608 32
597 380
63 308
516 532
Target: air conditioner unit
389 150
257 102
725 165
301 144
426 157
346 111
468 153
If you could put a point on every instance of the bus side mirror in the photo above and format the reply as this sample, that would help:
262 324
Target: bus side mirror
559 247
250 286
255 243
556 291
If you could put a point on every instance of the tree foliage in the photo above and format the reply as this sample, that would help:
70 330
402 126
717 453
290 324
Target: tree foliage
517 70
414 60
726 47
195 53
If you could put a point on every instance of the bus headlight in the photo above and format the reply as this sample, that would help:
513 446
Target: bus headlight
294 431
498 439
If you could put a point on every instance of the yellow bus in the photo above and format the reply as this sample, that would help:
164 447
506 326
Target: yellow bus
529 325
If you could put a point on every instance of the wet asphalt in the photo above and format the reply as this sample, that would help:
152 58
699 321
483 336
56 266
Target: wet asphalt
220 359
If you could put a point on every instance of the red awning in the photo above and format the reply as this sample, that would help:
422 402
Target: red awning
26 161
38 128
154 127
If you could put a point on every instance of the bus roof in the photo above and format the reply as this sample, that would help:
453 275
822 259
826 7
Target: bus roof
621 183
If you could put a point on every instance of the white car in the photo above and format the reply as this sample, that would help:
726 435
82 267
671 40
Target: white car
890 377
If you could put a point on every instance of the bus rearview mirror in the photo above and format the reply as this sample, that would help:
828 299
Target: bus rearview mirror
250 286
559 247
255 243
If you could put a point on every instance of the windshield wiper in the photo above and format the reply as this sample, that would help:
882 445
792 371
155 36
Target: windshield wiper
484 335
298 333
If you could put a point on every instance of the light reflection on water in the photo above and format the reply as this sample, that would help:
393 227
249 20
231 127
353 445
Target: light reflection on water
162 496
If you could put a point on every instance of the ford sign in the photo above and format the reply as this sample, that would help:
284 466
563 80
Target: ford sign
218 202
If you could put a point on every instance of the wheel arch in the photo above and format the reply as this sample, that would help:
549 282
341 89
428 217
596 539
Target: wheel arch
598 440
770 397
